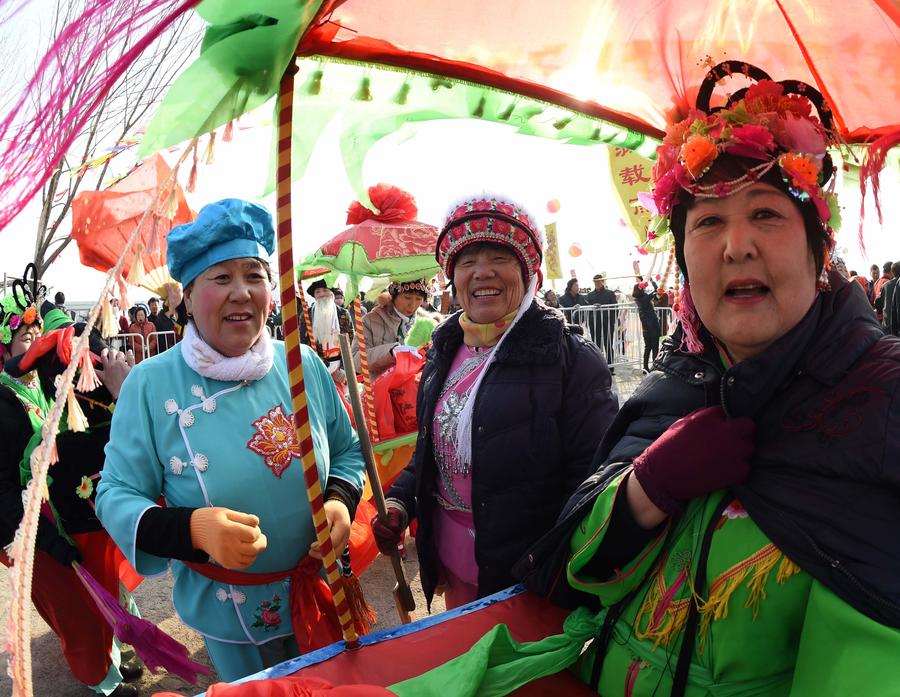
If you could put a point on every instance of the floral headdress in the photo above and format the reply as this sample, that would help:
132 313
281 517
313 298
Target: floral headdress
771 122
19 307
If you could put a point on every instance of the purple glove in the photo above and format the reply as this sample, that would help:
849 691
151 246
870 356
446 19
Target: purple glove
701 453
388 532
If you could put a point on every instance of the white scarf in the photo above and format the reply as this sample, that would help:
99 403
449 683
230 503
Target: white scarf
204 359
325 326
406 323
464 425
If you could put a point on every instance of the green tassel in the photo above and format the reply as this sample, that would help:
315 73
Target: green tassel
314 84
479 110
363 94
562 123
437 83
506 114
596 134
402 94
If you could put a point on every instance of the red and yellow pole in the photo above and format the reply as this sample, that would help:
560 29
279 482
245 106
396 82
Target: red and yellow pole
369 396
294 361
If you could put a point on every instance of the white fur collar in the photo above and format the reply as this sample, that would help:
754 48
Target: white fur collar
203 358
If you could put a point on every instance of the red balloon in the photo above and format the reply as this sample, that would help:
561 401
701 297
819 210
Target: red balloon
575 250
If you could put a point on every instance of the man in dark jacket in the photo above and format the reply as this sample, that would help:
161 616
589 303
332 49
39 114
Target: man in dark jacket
603 324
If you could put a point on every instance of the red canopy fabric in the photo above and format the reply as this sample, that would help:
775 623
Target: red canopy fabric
633 61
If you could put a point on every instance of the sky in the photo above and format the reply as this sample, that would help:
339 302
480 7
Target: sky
439 163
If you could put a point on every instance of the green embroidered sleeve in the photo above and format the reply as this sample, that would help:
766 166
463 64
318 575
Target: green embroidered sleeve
587 540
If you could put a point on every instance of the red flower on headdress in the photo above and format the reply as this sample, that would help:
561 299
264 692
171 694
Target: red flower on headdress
751 140
506 209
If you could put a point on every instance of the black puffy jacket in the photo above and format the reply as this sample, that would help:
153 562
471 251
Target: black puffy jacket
825 478
541 410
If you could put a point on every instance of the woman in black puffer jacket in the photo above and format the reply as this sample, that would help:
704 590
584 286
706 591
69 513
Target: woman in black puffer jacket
511 407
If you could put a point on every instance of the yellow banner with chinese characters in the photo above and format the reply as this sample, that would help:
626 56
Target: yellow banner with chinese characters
551 253
631 174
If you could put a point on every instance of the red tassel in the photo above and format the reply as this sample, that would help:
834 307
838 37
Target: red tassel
228 135
364 616
690 321
873 163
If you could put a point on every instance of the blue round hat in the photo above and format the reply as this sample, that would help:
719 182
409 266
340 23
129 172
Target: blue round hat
227 229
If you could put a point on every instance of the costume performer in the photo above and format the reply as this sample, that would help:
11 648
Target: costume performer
69 530
208 425
738 534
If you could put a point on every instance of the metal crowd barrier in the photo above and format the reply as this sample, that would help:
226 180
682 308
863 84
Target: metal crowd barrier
617 330
164 340
128 340
141 345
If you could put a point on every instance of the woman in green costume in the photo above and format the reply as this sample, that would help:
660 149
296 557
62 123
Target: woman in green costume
740 531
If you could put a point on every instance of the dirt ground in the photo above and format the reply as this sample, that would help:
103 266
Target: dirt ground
154 597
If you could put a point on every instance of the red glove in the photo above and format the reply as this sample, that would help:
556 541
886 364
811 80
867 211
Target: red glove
701 453
388 532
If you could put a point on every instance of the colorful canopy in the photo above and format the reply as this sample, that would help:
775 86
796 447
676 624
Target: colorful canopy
385 243
102 221
629 63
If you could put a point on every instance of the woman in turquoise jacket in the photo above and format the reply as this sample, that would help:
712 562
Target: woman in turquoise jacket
208 427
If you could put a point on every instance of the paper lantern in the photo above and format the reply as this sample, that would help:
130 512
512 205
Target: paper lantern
553 205
575 250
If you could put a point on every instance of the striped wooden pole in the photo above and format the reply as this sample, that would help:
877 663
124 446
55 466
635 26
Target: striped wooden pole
306 317
294 361
369 398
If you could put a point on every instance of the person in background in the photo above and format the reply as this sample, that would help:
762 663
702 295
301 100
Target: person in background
209 426
875 275
386 327
644 297
551 299
511 406
603 325
663 302
144 328
153 307
572 296
68 530
60 301
890 308
878 302
329 320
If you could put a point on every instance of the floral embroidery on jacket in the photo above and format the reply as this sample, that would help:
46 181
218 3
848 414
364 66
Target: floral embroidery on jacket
85 488
275 440
266 616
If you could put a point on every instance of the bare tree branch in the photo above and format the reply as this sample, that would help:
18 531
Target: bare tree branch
125 108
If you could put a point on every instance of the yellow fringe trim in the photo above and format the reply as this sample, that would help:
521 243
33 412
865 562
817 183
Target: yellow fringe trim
672 621
755 571
786 569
